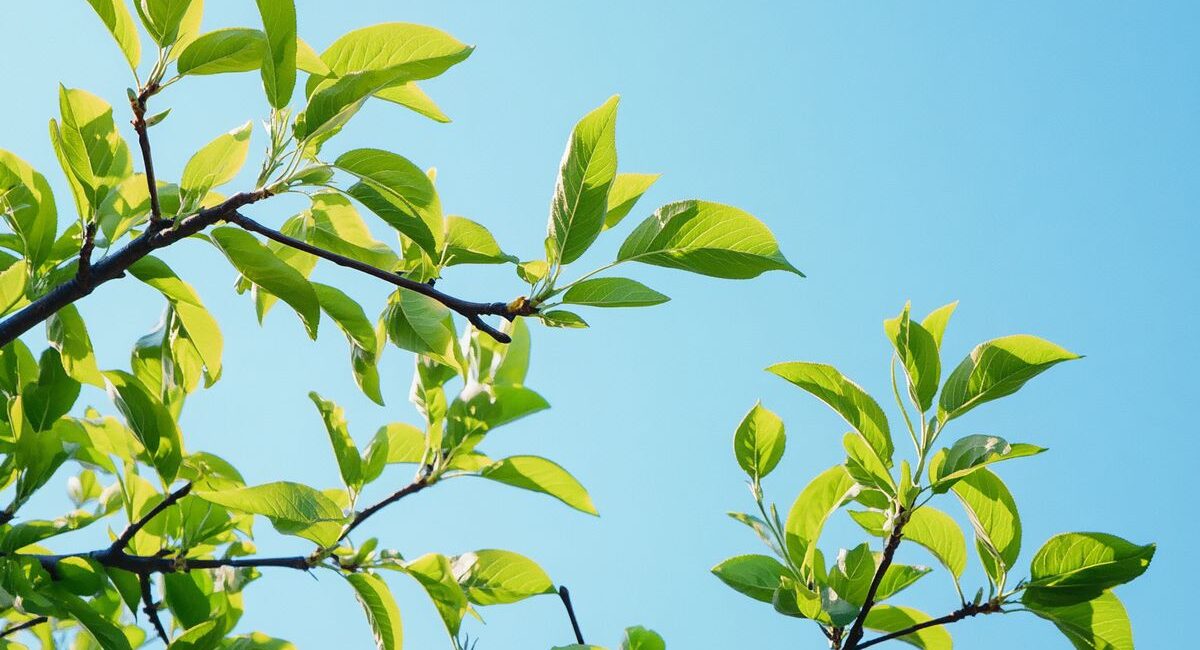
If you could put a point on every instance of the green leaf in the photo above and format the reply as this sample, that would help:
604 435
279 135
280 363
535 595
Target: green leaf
187 596
995 369
348 460
940 534
540 475
639 638
1098 624
970 453
625 192
423 325
756 576
27 204
380 606
293 509
420 52
214 165
198 324
846 398
436 575
204 636
470 243
398 192
52 395
116 17
918 351
279 64
256 641
263 268
897 578
612 292
348 315
164 19
993 514
95 155
309 61
336 226
106 633
851 576
758 442
706 238
150 421
405 443
335 100
495 577
410 96
561 318
584 178
889 618
935 323
233 49
819 499
67 333
1071 568
12 285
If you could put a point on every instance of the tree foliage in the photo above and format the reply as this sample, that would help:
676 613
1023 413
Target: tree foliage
1070 578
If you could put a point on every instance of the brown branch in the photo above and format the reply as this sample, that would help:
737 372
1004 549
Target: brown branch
566 600
115 265
151 609
418 484
138 104
133 528
889 551
966 611
472 311
23 626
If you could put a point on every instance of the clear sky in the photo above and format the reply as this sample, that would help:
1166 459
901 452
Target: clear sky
1036 161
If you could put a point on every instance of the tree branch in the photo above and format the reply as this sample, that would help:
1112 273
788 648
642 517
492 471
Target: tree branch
23 626
151 609
418 484
472 311
115 265
138 104
133 528
889 551
566 599
966 611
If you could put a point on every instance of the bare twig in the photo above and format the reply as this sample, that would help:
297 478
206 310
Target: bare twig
966 611
151 609
472 311
138 104
566 600
133 528
23 626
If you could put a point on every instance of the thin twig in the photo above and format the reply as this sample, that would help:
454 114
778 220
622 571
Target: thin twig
133 528
472 311
23 626
143 132
889 551
566 599
412 488
966 611
151 609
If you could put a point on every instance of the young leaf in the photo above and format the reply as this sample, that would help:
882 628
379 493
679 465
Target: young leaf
67 333
95 154
612 292
897 578
436 575
918 351
27 204
421 52
106 633
756 576
410 96
398 192
639 638
293 509
851 576
540 475
116 17
494 577
233 49
935 323
380 606
1098 624
470 243
993 514
625 192
1073 568
279 64
758 442
845 397
864 465
889 618
995 369
422 325
706 238
348 460
257 263
336 226
561 318
198 324
150 421
819 499
164 19
940 534
970 453
214 165
584 178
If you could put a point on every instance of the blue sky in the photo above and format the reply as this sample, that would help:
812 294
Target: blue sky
1036 161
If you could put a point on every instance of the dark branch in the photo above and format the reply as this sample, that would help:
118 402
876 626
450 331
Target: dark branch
23 626
171 499
143 132
966 611
889 551
85 251
115 265
412 488
472 311
566 599
151 609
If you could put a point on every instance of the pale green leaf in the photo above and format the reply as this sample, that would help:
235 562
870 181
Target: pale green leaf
540 475
993 514
398 192
758 442
625 192
279 62
214 165
918 352
1099 624
468 242
845 397
495 577
1075 567
584 178
819 499
116 17
889 618
756 576
380 607
348 460
612 292
995 369
257 263
234 49
293 509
